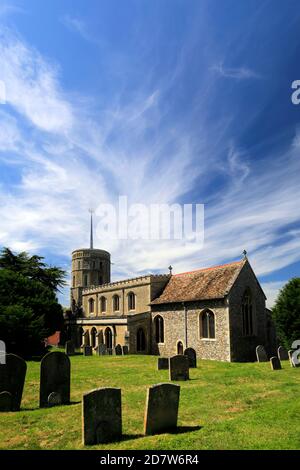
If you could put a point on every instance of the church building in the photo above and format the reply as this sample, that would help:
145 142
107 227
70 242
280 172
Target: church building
219 311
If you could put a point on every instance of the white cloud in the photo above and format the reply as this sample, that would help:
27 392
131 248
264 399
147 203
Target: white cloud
237 73
271 289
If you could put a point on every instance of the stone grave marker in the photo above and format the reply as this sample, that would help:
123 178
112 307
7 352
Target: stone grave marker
118 350
87 350
192 357
101 416
161 408
55 379
109 351
179 367
275 363
12 379
125 350
261 354
283 354
101 350
162 363
69 348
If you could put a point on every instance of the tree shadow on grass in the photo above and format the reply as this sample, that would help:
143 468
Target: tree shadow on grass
50 407
184 429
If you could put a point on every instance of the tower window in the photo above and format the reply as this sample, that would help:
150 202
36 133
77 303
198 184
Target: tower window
116 303
74 281
85 280
91 305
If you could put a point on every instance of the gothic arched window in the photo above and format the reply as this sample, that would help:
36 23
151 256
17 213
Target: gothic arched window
247 313
108 338
131 301
159 329
91 305
140 340
103 304
207 325
116 303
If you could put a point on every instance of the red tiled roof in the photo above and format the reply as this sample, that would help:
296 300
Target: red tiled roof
203 284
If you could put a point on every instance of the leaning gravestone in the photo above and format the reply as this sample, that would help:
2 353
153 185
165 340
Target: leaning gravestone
283 354
118 350
101 416
261 354
12 379
179 367
69 348
192 357
275 363
101 350
55 379
162 363
161 408
87 350
293 356
125 350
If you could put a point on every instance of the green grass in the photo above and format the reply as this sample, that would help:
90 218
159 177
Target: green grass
237 406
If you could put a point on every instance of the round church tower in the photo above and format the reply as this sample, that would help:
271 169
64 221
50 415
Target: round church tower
90 267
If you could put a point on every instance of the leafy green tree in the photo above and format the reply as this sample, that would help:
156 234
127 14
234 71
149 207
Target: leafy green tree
29 310
286 313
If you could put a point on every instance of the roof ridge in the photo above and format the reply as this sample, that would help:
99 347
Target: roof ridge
210 268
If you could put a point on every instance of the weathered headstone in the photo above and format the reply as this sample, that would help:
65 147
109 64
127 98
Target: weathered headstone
125 350
261 354
2 352
54 399
12 379
55 377
87 350
161 408
109 351
5 401
101 350
293 356
275 363
192 357
290 353
118 350
283 354
162 363
69 348
179 367
101 416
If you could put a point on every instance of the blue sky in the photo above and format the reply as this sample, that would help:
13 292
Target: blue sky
170 101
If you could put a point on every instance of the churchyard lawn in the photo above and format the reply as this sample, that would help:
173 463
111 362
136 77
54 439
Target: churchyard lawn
222 406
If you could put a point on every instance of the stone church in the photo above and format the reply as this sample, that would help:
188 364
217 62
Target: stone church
219 311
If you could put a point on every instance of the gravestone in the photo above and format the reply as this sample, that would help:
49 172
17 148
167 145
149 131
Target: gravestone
118 350
12 379
87 350
275 363
292 355
5 401
2 352
101 416
283 354
55 378
69 348
261 354
125 350
192 357
101 350
161 408
179 367
109 351
162 363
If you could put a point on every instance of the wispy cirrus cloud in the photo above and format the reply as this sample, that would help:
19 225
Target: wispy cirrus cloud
236 73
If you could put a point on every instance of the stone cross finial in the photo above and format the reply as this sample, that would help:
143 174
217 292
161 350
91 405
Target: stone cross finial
170 268
245 254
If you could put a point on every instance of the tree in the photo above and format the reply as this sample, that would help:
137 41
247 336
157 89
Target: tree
29 310
286 313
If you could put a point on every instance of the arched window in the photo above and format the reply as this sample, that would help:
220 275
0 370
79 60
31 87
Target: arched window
179 347
93 337
85 280
108 338
247 313
103 304
73 281
207 324
140 340
159 329
91 305
116 303
131 301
